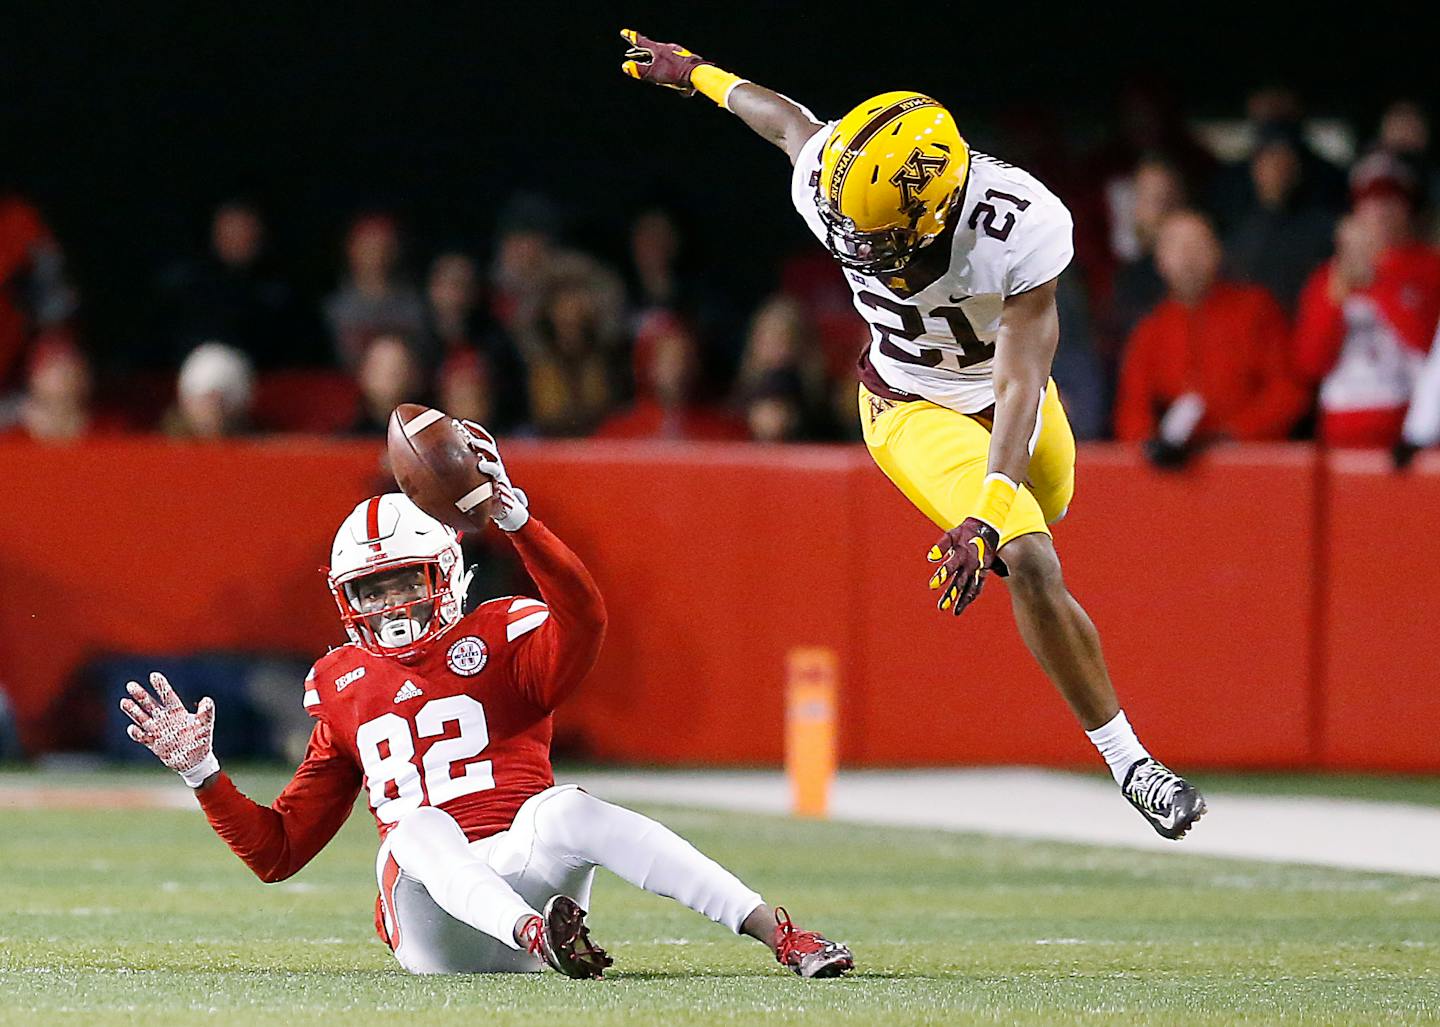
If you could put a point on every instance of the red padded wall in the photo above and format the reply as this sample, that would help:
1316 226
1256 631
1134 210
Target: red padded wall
1240 631
1380 694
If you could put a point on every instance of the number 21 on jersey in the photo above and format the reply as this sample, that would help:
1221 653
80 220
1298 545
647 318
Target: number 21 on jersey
387 751
967 349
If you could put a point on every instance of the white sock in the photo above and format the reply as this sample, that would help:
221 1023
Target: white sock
430 847
1117 743
582 829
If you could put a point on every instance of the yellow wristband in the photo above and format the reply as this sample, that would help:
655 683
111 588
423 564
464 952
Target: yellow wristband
997 495
714 82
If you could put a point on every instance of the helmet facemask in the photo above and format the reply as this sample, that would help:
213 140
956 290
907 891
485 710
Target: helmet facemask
395 610
884 251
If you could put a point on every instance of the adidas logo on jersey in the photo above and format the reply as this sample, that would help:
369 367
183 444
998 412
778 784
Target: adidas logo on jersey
407 691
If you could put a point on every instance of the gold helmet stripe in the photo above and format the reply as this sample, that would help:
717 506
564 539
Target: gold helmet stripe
867 132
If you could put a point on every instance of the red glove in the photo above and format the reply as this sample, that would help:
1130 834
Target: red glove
665 64
965 554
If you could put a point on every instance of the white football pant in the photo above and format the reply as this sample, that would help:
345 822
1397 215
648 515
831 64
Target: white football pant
451 905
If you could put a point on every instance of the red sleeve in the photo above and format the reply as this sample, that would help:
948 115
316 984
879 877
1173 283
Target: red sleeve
1279 400
1319 327
1134 397
1415 325
553 658
275 841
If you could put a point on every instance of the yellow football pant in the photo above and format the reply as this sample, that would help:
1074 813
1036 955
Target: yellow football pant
939 459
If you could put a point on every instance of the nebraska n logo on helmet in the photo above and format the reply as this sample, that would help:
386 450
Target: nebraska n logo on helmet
890 174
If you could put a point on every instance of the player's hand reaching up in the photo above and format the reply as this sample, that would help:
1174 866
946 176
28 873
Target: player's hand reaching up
180 739
965 554
511 508
665 64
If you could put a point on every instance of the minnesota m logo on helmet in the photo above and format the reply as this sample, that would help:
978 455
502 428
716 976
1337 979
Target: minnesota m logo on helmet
889 172
914 175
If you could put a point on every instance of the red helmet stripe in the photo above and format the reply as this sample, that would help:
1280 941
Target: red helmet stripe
372 523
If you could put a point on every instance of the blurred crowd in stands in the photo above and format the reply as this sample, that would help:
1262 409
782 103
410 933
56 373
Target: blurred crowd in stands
1277 296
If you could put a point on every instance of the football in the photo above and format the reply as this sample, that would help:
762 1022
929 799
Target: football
434 463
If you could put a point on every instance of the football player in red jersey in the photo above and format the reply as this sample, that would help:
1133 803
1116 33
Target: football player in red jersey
444 718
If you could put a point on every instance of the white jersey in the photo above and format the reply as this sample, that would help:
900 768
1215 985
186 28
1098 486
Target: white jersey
939 344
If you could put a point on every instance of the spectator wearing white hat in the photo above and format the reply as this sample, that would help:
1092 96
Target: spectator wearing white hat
214 394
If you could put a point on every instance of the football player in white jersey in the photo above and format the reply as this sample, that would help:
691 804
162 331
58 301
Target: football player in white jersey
953 258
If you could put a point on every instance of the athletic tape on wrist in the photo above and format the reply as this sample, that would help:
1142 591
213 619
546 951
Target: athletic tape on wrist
997 495
196 775
715 83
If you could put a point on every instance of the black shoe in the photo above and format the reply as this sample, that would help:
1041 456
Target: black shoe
559 936
1164 798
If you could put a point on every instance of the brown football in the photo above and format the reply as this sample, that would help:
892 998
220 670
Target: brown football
431 458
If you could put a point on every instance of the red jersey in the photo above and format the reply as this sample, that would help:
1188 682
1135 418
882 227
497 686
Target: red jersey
465 725
1366 352
1231 348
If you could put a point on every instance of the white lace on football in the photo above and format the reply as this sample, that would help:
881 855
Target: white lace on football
180 739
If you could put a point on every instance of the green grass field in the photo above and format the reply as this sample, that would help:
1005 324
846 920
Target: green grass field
143 917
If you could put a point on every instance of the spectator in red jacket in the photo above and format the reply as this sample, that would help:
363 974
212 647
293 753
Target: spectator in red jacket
667 365
1210 361
1367 317
34 293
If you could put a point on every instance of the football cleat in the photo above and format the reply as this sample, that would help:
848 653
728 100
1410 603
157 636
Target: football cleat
559 936
1171 804
809 953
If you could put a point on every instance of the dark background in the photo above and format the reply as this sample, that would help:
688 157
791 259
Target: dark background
128 122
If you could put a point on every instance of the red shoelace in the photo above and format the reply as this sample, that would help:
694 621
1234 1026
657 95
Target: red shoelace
791 943
532 933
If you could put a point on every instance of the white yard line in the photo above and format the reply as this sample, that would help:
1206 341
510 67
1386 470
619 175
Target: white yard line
1040 804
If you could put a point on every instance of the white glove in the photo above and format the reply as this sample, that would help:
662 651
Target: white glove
512 506
181 739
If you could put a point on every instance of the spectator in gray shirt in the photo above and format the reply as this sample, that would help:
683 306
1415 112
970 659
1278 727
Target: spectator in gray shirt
374 299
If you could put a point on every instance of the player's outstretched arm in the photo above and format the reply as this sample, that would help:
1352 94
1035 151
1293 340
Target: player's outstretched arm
273 841
772 116
561 640
1024 351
